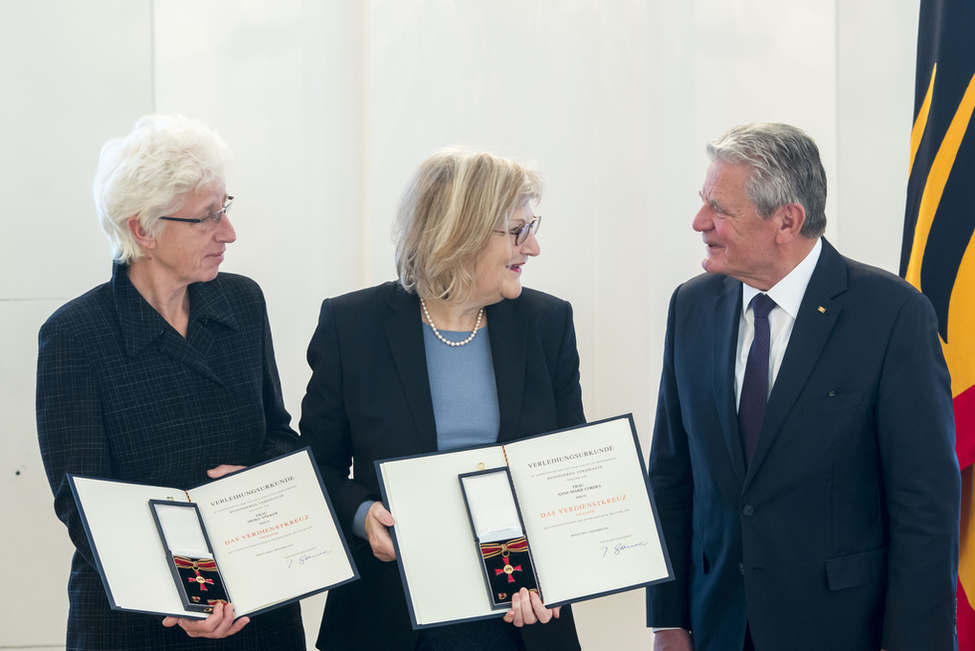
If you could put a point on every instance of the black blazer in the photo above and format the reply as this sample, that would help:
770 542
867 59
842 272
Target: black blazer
369 398
121 395
843 531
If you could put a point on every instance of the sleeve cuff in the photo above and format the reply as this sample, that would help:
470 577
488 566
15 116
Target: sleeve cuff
359 519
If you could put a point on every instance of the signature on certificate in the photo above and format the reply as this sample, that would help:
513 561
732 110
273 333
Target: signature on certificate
304 558
619 548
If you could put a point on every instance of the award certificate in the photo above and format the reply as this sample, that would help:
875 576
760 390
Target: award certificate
588 515
271 527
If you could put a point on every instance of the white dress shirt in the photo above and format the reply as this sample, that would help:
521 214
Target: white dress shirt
787 294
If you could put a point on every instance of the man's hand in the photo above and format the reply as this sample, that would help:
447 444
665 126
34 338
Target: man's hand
378 522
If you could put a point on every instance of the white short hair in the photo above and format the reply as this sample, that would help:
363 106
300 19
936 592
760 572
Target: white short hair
146 172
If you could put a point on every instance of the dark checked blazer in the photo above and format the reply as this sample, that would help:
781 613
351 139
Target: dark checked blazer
842 533
369 399
121 395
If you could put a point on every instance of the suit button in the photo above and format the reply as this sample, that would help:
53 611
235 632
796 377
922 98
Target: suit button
747 510
741 568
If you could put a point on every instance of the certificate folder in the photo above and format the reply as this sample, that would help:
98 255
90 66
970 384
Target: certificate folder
586 506
271 529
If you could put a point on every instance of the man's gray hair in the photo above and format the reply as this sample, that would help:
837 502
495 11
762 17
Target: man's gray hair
785 168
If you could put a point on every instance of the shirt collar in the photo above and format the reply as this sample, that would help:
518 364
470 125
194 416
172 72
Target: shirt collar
788 292
141 324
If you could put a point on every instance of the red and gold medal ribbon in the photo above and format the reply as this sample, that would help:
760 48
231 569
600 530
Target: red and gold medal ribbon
518 545
205 564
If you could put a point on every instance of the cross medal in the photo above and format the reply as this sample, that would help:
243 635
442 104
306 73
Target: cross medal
200 581
508 568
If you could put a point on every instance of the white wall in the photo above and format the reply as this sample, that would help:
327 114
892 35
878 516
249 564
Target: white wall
72 74
330 104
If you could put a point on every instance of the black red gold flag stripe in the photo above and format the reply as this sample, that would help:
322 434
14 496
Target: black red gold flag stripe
938 253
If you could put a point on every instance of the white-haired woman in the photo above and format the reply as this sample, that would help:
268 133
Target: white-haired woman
455 354
164 375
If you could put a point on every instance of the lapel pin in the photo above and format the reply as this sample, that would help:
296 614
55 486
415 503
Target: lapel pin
822 310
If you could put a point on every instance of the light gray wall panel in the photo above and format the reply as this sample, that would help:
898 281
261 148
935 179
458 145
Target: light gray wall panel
73 74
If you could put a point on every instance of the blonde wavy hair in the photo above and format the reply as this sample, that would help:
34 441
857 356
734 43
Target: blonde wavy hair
449 211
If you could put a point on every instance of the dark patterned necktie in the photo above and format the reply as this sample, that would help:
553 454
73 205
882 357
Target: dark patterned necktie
754 386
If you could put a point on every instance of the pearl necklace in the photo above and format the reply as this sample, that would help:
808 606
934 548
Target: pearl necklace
477 324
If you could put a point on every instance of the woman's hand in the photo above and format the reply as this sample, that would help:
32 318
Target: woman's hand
378 522
223 469
218 625
527 608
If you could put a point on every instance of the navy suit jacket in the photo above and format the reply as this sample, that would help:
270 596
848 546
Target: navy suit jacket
842 533
369 399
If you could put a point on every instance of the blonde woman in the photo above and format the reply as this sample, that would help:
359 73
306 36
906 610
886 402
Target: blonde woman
454 354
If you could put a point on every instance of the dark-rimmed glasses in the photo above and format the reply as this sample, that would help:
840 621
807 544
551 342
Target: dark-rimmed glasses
521 233
216 216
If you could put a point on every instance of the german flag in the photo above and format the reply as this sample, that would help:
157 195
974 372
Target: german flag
938 253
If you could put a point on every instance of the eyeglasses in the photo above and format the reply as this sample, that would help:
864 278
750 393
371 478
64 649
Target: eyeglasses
521 233
216 216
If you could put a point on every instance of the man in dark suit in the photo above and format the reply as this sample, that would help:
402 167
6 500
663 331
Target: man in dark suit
803 456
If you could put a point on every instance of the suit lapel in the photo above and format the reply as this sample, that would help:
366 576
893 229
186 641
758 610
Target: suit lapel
818 313
404 332
509 346
727 307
